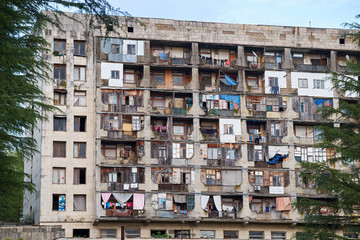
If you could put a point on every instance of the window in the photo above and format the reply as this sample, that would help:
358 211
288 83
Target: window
229 129
182 234
259 180
59 202
79 202
179 130
276 181
231 234
79 98
79 150
79 73
59 72
60 46
136 123
83 233
59 149
207 233
115 74
183 150
213 177
79 48
157 233
320 154
273 82
278 235
213 153
158 77
79 175
319 84
107 233
115 48
351 235
130 29
79 123
303 83
131 75
256 235
275 130
157 101
132 233
258 153
253 82
131 49
341 40
109 151
59 175
59 97
178 78
59 123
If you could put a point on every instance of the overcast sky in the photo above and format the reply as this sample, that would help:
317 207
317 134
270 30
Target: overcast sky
321 13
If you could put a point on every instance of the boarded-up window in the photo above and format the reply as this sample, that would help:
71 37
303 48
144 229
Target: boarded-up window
79 98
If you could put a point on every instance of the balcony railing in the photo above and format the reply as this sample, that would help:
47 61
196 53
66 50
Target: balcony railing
257 139
270 65
131 160
125 213
344 69
61 82
172 187
216 62
210 134
311 68
222 214
180 111
121 134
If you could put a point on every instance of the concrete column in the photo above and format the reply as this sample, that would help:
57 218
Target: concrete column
245 212
196 110
195 83
333 62
287 64
147 54
196 131
240 59
194 53
240 79
145 82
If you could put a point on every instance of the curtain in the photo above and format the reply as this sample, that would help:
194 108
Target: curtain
122 197
105 197
139 199
283 204
204 201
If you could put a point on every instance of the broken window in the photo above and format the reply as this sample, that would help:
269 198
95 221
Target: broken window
59 202
303 83
79 123
60 72
59 176
79 150
79 48
81 233
319 84
131 49
115 48
60 46
79 175
79 73
59 123
79 98
59 97
59 149
79 202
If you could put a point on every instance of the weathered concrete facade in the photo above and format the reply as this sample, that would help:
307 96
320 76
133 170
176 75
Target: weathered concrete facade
186 128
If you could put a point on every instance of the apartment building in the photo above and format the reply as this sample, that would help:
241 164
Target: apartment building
181 128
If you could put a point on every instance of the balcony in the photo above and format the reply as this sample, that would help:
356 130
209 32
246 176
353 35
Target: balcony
60 83
173 187
179 111
311 68
210 134
233 214
123 213
272 66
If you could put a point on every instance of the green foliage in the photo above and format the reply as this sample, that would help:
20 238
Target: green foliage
22 70
340 206
159 235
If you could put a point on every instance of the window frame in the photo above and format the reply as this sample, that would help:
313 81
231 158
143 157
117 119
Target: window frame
57 152
77 123
56 205
228 129
79 44
57 123
302 81
158 73
78 181
58 47
59 75
319 84
80 210
60 97
78 97
80 67
79 145
132 49
253 79
115 49
115 74
58 170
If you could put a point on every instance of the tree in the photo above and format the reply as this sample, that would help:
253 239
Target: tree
22 103
341 208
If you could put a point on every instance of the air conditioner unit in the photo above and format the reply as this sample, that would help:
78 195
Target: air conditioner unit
257 188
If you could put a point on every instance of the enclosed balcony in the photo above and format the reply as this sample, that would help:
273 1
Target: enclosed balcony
121 50
304 133
170 79
160 127
121 153
182 129
171 103
182 103
269 181
121 178
270 208
219 104
221 155
161 152
124 101
217 57
122 205
209 129
311 61
169 205
255 58
255 82
172 55
217 180
342 59
222 206
273 59
172 179
122 127
257 130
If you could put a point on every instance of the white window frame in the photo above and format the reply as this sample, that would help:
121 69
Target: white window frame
303 83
